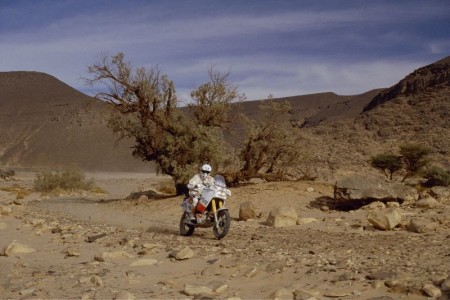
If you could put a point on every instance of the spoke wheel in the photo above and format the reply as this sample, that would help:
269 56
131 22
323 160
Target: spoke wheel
224 223
186 229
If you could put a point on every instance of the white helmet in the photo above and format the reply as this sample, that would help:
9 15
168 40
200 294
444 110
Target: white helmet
206 169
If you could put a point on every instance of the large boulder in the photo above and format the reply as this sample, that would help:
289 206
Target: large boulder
282 216
247 211
386 219
360 187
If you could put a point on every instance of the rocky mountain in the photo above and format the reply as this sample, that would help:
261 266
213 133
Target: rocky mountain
47 124
415 110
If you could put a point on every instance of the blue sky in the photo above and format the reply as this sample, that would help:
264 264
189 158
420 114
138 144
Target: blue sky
277 47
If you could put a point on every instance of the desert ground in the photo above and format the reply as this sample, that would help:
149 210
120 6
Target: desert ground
104 246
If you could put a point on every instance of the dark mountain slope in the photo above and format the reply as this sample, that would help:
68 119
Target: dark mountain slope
47 124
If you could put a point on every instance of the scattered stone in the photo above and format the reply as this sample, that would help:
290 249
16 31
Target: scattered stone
70 252
275 267
440 193
112 256
182 254
16 248
281 217
93 238
381 275
6 210
422 225
96 280
281 294
385 220
428 203
152 246
252 272
338 293
247 211
310 189
302 221
194 290
302 295
374 205
144 262
431 290
124 295
26 292
445 286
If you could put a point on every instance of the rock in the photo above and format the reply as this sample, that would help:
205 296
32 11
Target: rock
310 189
256 180
428 202
247 211
70 252
6 210
302 221
282 216
144 262
374 205
275 267
15 248
445 286
96 280
282 293
358 187
422 225
124 295
182 254
105 256
440 193
302 295
194 290
386 219
152 246
431 291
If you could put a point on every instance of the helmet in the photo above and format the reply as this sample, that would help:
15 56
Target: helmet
206 169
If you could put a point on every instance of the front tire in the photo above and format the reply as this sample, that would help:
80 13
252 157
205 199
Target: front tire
186 229
224 223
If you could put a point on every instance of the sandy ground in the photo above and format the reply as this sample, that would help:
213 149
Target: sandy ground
338 255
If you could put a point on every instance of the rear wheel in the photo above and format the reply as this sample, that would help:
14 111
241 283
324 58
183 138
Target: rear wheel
224 223
185 228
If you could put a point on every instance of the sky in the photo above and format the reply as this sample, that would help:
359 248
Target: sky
269 47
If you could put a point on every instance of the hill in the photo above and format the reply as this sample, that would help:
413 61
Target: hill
415 110
47 124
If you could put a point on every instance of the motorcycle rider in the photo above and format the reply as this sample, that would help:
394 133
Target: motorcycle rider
196 185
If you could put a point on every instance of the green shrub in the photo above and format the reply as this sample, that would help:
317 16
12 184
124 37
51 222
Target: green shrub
66 181
437 176
387 163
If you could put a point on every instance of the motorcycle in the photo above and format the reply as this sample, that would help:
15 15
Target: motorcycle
210 210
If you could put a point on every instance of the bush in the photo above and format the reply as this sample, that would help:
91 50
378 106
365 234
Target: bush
65 181
437 176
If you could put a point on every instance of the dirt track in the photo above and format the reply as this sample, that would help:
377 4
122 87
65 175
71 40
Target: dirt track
338 256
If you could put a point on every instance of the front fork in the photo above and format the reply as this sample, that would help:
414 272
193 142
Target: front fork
214 210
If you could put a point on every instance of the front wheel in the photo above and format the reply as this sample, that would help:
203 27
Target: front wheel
185 228
223 224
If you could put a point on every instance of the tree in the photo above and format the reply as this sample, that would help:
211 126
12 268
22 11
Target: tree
387 163
272 144
414 158
146 109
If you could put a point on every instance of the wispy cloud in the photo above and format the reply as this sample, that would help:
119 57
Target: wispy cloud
278 47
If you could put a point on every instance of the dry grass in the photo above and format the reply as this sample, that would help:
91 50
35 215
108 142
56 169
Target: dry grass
17 190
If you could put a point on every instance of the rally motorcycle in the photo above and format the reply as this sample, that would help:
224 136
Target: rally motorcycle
210 211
